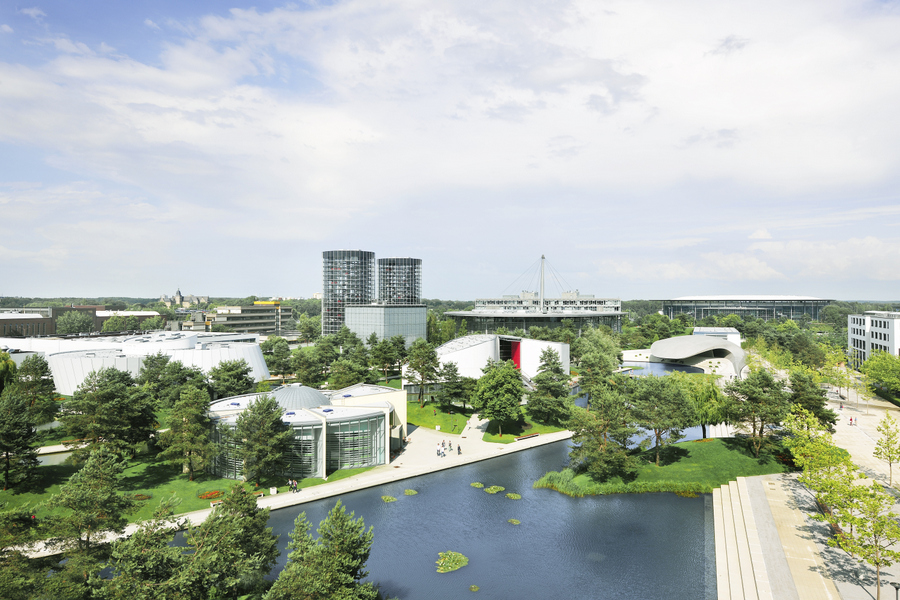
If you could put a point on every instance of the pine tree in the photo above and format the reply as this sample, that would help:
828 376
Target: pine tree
187 441
262 438
17 437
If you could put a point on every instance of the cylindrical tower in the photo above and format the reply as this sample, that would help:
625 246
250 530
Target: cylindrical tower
400 280
348 277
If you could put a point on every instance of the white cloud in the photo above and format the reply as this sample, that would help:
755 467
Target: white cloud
760 234
35 13
5 28
151 24
867 257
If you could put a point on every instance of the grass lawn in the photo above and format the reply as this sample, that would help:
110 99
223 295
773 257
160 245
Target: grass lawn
393 381
711 462
145 475
432 415
513 430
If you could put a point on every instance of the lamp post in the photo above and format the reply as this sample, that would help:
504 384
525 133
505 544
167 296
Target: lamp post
896 589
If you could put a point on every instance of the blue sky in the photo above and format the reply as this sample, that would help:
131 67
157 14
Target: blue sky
648 149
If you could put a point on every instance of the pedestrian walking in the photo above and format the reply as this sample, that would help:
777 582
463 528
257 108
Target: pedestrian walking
438 449
458 450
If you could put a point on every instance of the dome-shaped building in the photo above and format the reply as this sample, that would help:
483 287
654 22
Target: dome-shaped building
328 435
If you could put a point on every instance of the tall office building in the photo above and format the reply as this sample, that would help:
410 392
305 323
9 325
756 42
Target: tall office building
348 277
400 280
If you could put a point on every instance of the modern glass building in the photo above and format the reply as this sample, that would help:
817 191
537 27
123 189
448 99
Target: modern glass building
400 280
762 307
327 436
348 277
387 320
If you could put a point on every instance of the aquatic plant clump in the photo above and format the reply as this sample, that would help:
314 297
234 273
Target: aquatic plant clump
388 498
514 496
514 521
494 489
410 492
450 561
477 484
474 588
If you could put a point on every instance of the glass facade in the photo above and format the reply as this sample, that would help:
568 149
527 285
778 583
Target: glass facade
400 280
766 309
355 443
386 321
348 277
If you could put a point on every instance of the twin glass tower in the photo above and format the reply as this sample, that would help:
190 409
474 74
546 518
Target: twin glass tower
348 278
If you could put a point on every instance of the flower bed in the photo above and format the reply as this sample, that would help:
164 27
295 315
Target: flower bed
211 495
142 497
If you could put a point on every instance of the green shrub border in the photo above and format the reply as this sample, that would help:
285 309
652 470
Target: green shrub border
562 482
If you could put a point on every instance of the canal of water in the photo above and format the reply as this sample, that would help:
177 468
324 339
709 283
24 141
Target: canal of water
622 546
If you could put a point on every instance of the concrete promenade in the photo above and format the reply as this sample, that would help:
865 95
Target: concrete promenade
418 458
767 546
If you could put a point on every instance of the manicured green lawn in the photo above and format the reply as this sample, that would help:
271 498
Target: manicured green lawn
393 381
431 415
145 475
711 462
512 430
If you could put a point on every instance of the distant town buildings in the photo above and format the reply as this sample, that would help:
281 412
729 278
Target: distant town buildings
36 321
872 331
349 280
762 307
265 317
179 301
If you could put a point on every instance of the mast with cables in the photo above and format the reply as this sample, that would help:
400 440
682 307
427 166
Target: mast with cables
542 284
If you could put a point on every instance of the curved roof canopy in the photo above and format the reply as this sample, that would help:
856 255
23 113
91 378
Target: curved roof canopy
693 346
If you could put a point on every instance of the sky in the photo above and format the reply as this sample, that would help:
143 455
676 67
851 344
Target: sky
650 149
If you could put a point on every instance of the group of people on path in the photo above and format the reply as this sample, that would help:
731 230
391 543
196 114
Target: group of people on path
851 418
442 448
292 484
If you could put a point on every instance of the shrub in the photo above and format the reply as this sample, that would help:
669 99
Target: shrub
142 496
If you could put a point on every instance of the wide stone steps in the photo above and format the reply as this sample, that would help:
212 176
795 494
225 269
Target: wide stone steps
740 565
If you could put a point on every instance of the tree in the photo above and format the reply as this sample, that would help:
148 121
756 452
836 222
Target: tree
884 368
499 393
551 379
549 402
115 323
332 566
757 402
17 437
74 321
108 409
345 372
876 532
153 323
262 438
187 441
91 502
600 357
35 382
807 393
660 406
384 356
232 550
175 377
309 367
399 343
308 327
887 448
230 378
372 340
422 364
453 388
7 370
708 404
602 436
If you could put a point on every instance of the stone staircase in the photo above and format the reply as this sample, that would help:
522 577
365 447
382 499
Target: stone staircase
740 565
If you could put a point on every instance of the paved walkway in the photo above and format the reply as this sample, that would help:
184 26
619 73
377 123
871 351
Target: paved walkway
798 563
418 458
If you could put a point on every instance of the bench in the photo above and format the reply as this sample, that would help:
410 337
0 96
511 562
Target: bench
525 437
